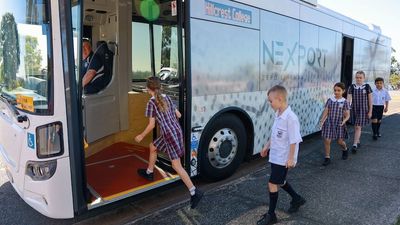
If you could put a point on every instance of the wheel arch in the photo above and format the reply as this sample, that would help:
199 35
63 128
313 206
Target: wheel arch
246 120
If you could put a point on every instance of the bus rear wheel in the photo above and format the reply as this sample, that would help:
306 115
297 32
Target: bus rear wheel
223 146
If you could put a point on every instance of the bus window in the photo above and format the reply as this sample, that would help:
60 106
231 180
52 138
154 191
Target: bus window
25 60
141 62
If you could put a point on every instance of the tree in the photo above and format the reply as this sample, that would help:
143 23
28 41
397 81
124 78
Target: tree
33 58
10 52
394 78
1 63
394 66
166 47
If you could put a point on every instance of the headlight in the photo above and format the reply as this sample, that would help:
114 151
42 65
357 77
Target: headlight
42 170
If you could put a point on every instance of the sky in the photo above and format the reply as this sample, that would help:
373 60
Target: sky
382 13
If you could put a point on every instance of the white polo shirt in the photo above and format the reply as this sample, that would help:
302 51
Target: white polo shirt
285 131
379 97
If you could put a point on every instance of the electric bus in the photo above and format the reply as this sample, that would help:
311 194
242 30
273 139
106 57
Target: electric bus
67 151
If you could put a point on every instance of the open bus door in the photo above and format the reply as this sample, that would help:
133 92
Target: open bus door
38 123
143 45
347 62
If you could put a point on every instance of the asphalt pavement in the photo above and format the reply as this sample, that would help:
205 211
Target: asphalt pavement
365 189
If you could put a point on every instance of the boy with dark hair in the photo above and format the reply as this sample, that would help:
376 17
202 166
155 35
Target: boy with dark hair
380 104
283 149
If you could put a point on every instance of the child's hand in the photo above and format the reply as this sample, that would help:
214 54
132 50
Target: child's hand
369 115
321 123
264 152
290 163
342 123
139 138
385 110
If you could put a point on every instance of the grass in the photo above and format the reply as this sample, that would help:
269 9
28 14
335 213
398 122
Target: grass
398 221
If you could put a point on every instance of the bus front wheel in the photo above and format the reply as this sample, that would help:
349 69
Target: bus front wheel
223 146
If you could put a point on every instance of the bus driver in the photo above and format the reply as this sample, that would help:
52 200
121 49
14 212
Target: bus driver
96 67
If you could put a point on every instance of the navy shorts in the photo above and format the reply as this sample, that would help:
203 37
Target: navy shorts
377 112
278 174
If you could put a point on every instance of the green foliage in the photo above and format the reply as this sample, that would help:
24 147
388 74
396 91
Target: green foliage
33 58
10 50
166 46
140 75
394 78
394 66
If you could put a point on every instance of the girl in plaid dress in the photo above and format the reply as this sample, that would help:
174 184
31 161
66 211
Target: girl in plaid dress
160 108
360 99
333 122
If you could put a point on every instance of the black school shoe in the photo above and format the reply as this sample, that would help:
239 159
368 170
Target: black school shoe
267 219
354 149
295 204
326 162
345 154
375 137
195 199
143 173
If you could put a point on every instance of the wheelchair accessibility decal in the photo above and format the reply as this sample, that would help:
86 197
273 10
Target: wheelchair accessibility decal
31 141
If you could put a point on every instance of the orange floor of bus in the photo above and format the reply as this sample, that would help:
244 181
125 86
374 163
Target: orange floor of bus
113 171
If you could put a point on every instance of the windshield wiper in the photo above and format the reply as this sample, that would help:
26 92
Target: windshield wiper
10 103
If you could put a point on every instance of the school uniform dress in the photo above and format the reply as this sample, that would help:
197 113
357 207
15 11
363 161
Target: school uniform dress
379 97
171 139
331 128
285 131
359 105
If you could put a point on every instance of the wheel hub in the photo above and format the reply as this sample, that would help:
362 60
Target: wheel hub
222 148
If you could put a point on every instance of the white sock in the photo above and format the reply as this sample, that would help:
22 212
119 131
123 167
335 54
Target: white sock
192 190
149 171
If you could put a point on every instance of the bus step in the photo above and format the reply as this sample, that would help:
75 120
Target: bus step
165 164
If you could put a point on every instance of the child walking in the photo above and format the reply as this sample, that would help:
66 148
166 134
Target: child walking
161 109
283 149
380 104
360 100
333 122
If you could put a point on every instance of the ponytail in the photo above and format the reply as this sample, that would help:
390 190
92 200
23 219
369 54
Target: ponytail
154 84
160 101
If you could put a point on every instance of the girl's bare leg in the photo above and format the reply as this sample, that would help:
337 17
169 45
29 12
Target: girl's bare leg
342 144
327 144
357 134
176 164
152 157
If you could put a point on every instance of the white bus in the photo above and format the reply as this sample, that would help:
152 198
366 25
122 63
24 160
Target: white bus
216 58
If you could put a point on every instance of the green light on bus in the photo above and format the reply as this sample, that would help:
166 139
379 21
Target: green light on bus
149 10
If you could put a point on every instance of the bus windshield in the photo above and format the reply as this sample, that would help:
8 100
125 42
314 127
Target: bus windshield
25 55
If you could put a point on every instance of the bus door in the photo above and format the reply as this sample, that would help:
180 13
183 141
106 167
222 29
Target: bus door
157 51
347 62
34 137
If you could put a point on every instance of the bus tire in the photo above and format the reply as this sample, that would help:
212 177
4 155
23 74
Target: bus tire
223 146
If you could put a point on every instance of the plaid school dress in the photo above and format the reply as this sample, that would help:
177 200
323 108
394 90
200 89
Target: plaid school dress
331 128
171 139
359 107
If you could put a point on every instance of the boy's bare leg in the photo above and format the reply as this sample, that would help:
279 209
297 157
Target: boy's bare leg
272 187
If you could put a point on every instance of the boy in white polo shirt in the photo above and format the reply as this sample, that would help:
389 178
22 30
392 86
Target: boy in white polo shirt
283 148
380 104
